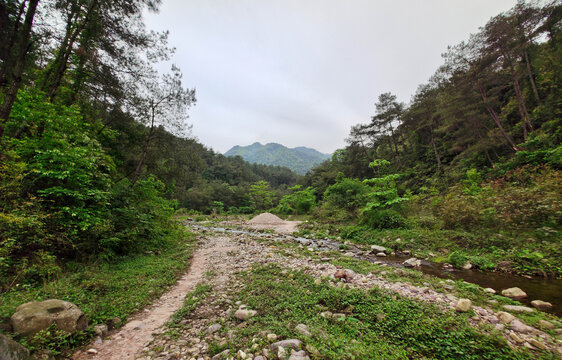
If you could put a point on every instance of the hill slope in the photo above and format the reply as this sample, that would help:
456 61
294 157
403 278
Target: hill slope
299 159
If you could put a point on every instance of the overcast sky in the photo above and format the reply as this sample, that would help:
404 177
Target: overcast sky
302 72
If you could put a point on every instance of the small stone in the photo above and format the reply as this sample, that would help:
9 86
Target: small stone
467 266
290 343
504 317
518 308
302 329
344 274
541 305
326 314
514 293
244 315
381 254
259 357
463 305
538 344
100 330
314 351
271 337
378 249
241 354
213 328
299 355
281 353
546 324
516 338
490 290
222 355
517 325
92 351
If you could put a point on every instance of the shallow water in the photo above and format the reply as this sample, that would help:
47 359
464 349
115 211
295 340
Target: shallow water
538 288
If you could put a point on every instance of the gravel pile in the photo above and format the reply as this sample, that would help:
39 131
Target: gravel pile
266 219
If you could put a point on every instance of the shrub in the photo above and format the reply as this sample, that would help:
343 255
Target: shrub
348 194
383 219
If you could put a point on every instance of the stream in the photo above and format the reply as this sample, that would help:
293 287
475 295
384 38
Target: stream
537 288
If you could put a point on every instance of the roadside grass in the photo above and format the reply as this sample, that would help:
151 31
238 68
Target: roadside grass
192 300
104 290
377 324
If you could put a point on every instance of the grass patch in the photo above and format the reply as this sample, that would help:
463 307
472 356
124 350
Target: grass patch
378 324
105 290
190 303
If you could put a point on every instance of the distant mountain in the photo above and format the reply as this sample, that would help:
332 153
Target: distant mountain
299 159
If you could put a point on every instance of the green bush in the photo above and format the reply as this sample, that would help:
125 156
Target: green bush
348 194
383 219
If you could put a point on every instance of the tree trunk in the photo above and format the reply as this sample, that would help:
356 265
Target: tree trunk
437 158
496 118
138 170
15 79
10 48
531 78
525 119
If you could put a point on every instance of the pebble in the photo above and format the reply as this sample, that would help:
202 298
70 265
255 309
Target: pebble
302 329
290 343
244 315
92 351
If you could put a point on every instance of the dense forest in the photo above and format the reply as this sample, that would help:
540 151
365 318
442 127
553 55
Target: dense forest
95 146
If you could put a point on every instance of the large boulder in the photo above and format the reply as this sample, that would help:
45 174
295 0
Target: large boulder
11 350
35 316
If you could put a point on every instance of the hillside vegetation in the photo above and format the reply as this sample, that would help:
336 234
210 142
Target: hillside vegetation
469 170
299 159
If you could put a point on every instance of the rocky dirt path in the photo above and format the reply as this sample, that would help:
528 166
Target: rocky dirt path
128 341
221 256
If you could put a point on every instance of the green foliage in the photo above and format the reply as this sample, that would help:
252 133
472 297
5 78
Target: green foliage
104 290
299 202
472 182
59 198
261 196
383 219
457 259
383 201
346 193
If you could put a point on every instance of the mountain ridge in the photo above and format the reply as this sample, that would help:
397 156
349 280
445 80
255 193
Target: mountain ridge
300 159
